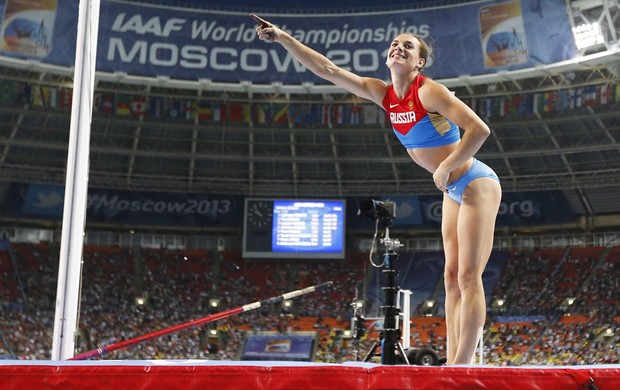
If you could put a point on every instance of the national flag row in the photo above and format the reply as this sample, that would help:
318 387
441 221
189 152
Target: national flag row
14 93
551 101
204 111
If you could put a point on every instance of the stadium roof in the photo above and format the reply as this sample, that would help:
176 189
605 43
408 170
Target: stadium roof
575 150
299 6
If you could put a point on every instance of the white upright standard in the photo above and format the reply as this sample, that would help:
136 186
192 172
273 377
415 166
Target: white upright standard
76 186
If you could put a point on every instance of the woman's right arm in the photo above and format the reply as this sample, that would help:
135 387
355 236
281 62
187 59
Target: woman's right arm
366 87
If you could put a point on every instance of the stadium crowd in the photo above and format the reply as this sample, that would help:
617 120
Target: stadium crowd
131 292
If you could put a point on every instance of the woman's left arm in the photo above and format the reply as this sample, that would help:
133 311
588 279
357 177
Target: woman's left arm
437 98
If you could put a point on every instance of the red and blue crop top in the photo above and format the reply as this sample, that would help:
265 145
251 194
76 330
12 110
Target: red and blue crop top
413 125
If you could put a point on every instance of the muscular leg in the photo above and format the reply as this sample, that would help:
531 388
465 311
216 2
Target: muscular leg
475 228
449 219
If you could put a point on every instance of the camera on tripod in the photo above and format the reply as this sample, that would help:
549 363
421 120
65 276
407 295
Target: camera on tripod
385 211
391 349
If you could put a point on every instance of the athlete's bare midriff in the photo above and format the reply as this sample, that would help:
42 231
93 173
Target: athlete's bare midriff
430 158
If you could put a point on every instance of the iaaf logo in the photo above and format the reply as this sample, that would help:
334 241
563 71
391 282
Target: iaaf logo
523 209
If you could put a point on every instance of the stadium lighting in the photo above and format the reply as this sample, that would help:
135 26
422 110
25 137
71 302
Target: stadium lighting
588 35
288 304
498 303
429 306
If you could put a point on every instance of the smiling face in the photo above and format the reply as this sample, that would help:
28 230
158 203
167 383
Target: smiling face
408 53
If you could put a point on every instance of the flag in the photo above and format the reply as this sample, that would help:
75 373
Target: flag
300 114
577 98
104 103
249 113
123 104
513 104
370 114
356 113
326 115
488 108
503 106
234 113
174 108
43 96
314 114
24 91
528 107
473 103
589 96
537 102
217 111
280 114
563 101
189 111
205 111
260 113
549 101
138 105
38 98
296 114
156 107
8 93
337 114
604 92
66 97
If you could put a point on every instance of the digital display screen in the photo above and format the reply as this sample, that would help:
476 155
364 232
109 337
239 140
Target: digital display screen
294 228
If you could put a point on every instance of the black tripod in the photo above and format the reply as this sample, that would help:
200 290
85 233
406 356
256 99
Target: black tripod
390 335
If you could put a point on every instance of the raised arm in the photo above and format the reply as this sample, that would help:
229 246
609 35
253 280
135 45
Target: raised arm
366 87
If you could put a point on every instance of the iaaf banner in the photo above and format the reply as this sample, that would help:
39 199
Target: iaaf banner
469 39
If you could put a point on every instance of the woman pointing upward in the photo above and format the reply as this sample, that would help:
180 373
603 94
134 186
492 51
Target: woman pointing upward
427 118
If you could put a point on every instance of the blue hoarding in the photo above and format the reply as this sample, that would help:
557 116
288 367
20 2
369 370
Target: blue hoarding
130 208
136 208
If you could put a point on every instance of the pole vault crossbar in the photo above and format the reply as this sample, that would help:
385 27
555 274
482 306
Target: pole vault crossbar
201 321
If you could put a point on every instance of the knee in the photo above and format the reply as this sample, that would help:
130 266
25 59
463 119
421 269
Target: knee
468 278
451 281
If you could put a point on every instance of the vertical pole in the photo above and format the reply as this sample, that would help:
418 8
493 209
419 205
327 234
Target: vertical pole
406 318
391 333
76 184
481 351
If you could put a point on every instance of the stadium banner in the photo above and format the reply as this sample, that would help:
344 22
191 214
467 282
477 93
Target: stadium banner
517 209
133 208
146 208
149 40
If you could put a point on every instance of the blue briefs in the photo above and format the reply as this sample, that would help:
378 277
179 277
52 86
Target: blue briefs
478 169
